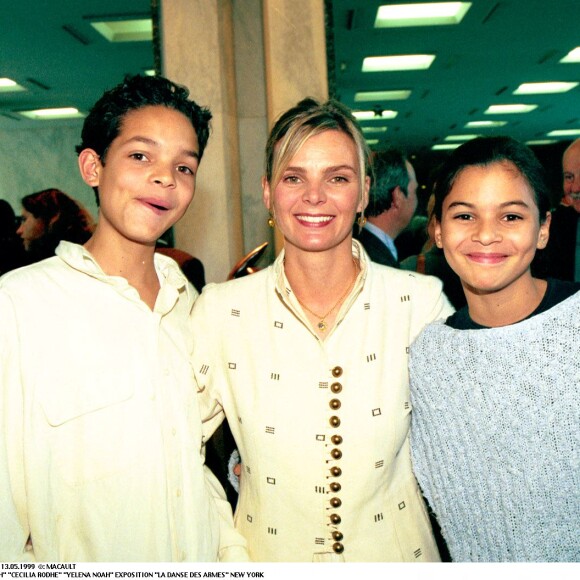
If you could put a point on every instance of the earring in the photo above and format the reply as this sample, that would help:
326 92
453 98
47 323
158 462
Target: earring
271 221
362 220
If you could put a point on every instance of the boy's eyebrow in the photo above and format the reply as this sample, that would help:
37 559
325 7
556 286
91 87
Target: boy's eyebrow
152 142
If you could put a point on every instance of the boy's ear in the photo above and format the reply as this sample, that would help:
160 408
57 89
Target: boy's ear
89 166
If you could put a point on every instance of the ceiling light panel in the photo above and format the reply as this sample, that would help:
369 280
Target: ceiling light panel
10 86
445 146
373 116
425 14
381 96
544 88
485 124
509 109
59 113
397 62
572 56
564 133
460 137
374 129
125 30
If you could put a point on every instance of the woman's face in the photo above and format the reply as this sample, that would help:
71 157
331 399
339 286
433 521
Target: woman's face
317 198
490 227
31 228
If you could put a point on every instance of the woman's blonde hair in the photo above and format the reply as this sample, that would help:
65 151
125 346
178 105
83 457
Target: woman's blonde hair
306 119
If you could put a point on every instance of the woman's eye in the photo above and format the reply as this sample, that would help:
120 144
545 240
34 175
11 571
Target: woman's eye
512 217
138 156
462 217
291 179
340 179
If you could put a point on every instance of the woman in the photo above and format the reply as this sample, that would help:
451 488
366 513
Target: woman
49 216
308 360
496 405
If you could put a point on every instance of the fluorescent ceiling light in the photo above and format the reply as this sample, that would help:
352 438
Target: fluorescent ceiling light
572 56
372 141
372 116
397 63
544 88
485 124
444 146
381 96
460 137
431 14
374 129
60 113
541 142
9 86
125 30
564 133
509 109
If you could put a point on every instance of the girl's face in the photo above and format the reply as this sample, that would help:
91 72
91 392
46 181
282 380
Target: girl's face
490 228
317 198
31 228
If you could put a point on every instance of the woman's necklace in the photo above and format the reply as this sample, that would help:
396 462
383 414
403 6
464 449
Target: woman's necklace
322 325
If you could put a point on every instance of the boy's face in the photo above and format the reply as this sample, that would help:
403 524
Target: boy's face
148 178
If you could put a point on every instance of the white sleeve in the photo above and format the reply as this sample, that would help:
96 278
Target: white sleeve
14 529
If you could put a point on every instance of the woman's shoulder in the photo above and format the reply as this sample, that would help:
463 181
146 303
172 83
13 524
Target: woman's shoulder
244 288
401 278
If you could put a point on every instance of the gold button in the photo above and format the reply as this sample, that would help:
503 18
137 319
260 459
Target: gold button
335 519
336 453
335 502
336 471
338 548
337 536
335 487
336 439
334 404
336 388
334 421
337 372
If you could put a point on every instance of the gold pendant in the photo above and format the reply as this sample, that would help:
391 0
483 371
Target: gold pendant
322 325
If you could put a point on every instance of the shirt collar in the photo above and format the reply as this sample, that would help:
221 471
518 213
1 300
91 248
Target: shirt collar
285 293
384 237
169 273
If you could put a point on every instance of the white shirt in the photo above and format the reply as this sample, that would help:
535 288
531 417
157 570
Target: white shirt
384 237
283 390
100 431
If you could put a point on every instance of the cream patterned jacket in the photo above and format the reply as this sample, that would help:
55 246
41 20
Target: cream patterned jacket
322 426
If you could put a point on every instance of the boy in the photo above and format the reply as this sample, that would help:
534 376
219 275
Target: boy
100 433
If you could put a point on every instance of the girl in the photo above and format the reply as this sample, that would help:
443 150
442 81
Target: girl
495 438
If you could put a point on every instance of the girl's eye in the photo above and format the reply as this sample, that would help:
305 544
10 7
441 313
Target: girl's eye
462 217
138 156
512 217
340 179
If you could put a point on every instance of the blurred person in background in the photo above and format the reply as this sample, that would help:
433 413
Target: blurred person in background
48 217
11 249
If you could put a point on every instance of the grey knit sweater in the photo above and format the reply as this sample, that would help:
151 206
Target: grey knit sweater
496 436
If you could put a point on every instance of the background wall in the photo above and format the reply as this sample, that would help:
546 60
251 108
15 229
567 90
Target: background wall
36 159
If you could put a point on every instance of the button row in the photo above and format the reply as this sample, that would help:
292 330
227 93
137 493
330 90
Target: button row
336 454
